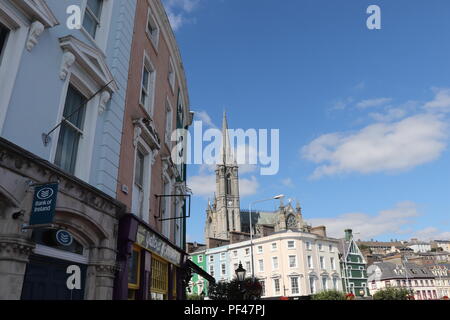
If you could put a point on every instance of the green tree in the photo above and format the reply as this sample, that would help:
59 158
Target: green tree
234 290
195 297
329 295
393 294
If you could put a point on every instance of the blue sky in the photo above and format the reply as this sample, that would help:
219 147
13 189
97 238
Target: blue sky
362 113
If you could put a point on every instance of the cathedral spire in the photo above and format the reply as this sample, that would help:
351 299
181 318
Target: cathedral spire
227 156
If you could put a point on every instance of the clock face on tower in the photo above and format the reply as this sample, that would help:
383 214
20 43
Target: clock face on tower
291 222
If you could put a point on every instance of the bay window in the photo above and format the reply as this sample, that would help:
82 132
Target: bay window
71 130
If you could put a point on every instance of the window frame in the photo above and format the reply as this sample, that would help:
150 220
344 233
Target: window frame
136 286
154 39
297 287
273 263
149 104
295 261
100 38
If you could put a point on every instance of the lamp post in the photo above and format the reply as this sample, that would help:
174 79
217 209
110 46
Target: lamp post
251 227
240 275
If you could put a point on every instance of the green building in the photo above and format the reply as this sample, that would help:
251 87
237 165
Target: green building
353 266
198 284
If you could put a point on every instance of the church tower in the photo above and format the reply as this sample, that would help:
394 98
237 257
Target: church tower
224 214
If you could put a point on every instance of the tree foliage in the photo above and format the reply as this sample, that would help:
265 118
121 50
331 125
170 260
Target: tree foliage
393 294
234 290
329 295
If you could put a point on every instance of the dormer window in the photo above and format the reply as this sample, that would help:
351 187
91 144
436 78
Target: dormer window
92 16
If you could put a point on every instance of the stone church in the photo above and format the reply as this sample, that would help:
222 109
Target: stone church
227 223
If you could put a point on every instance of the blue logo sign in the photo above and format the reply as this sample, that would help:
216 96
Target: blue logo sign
64 238
44 204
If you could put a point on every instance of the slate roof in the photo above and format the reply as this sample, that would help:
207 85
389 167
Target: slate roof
413 271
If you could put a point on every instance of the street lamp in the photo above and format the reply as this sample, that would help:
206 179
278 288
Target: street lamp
280 196
240 273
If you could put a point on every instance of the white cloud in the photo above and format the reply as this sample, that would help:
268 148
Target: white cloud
389 115
248 187
205 185
288 183
373 103
202 185
205 118
177 11
366 226
379 147
432 233
441 101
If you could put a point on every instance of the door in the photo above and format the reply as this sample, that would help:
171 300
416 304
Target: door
46 279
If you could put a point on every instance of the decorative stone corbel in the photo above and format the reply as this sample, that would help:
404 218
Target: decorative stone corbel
36 30
67 61
137 134
104 99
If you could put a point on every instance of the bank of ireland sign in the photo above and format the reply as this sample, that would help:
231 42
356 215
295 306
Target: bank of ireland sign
44 204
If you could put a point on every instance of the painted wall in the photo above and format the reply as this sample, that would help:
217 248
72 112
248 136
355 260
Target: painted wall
37 99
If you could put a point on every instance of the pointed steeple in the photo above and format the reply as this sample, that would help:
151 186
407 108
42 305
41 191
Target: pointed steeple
226 156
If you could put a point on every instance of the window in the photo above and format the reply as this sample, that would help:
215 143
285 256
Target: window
310 262
71 130
140 183
308 245
294 285
274 246
292 261
211 258
211 270
322 263
312 285
200 258
160 282
171 75
275 263
247 251
330 248
261 265
291 244
333 263
235 253
260 249
92 15
133 269
324 283
276 286
169 123
223 267
152 30
147 86
335 283
263 286
222 256
248 266
4 32
320 247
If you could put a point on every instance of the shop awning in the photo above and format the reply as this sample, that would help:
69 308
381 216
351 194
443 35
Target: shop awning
196 269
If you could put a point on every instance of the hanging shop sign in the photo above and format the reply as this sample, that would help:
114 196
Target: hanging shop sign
153 242
44 204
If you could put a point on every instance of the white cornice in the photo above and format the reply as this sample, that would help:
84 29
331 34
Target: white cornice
37 10
91 59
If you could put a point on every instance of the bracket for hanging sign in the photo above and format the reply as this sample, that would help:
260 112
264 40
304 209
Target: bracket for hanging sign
160 196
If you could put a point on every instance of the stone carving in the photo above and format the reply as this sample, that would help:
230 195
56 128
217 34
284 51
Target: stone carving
67 61
104 99
36 30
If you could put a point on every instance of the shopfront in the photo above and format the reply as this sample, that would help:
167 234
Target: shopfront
69 254
151 266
